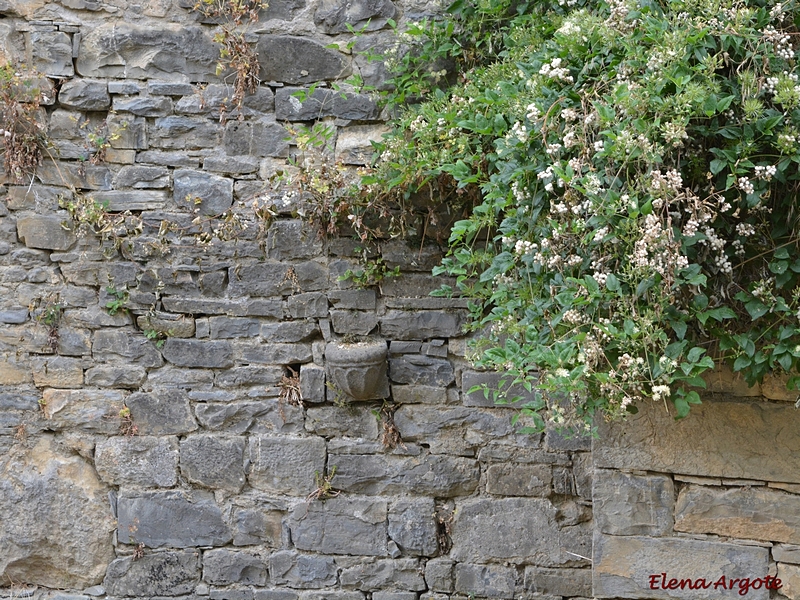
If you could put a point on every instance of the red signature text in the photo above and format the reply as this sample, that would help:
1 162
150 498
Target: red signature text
743 585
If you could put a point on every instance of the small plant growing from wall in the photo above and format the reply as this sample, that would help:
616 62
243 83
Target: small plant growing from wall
24 139
235 53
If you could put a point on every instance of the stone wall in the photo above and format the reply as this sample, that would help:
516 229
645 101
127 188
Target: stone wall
141 467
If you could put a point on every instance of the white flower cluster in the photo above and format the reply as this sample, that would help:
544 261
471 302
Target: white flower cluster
523 247
418 123
661 391
717 244
782 41
533 112
554 70
745 185
671 181
519 131
745 229
766 173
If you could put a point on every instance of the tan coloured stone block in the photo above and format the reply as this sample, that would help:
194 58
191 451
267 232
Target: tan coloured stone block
12 373
58 372
737 440
790 578
774 388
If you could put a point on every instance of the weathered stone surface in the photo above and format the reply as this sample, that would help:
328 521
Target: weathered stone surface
84 94
276 354
537 537
790 580
353 299
225 567
728 439
215 193
353 322
253 526
286 465
236 165
340 526
786 553
213 462
179 326
354 145
180 133
434 475
622 566
272 278
126 346
632 504
58 372
420 370
312 383
302 570
138 461
154 574
491 581
122 200
419 394
511 479
195 353
168 52
130 378
57 528
292 239
162 412
742 512
350 421
559 582
310 305
296 60
141 176
333 16
45 232
421 325
291 331
324 103
170 519
80 176
371 574
439 575
412 525
88 410
255 138
51 53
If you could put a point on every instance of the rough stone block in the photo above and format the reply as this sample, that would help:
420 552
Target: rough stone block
371 574
213 462
294 60
393 595
84 94
632 504
51 53
125 346
302 570
355 421
491 581
272 278
622 566
225 567
286 465
137 460
559 582
57 528
168 52
742 512
790 580
276 354
308 306
417 369
178 326
45 232
253 526
215 193
324 103
255 138
156 574
122 200
233 327
141 176
354 144
786 553
422 325
234 165
108 376
161 412
183 133
513 479
340 526
412 525
312 383
88 410
353 299
289 331
58 372
170 519
439 575
168 159
419 394
537 536
434 475
196 353
79 176
728 439
353 322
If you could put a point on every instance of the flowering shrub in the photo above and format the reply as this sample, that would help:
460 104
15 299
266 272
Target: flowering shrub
638 216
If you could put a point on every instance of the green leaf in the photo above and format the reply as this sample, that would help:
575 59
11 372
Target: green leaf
741 363
679 327
695 354
612 283
717 165
756 309
682 407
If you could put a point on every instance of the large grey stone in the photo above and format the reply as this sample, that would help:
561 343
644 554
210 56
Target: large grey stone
623 567
87 410
225 567
46 232
254 417
355 421
161 412
490 581
138 461
294 60
84 94
122 200
272 278
754 513
170 519
334 16
183 133
213 462
727 439
289 331
418 369
422 325
514 479
302 571
324 103
110 345
286 465
292 239
439 575
372 574
79 176
254 526
56 524
169 52
197 353
141 176
51 53
536 537
144 106
116 377
434 475
559 582
215 193
340 526
255 138
276 354
154 574
412 525
632 504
